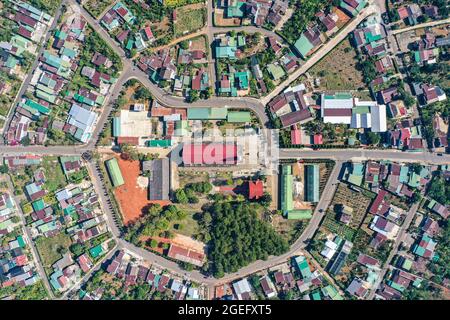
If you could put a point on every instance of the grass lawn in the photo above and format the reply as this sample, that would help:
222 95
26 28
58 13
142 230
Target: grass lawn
96 7
54 175
337 70
177 3
189 20
7 98
190 225
49 249
48 6
189 176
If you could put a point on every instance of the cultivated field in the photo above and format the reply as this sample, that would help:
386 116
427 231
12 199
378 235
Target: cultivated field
96 7
337 70
189 19
356 200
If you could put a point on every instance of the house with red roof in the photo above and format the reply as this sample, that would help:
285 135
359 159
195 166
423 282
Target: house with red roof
255 189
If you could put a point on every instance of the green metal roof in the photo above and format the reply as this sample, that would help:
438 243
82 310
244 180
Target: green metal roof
312 182
116 127
96 251
39 107
114 172
159 143
38 205
239 116
276 71
303 46
286 189
207 113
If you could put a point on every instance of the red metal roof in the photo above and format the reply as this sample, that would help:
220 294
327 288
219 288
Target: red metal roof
338 112
212 154
128 140
255 189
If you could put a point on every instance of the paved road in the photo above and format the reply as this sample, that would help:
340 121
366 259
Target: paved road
323 51
29 240
398 241
421 25
335 154
35 64
366 154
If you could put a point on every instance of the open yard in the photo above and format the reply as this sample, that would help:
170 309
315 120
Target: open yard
187 227
7 98
337 70
96 7
198 43
189 19
130 196
51 249
221 21
54 175
356 200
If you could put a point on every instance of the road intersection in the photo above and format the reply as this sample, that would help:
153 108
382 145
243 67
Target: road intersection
130 71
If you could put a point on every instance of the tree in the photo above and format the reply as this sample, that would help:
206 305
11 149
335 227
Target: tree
186 266
193 96
25 141
184 45
193 199
266 199
4 168
153 243
154 210
239 237
180 197
142 93
77 249
373 138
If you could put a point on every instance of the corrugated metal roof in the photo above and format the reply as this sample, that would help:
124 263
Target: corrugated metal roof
114 172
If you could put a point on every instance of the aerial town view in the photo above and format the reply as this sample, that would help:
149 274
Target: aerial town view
224 150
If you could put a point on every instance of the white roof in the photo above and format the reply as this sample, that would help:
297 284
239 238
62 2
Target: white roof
337 119
241 286
330 244
363 120
193 293
328 253
336 103
379 123
63 195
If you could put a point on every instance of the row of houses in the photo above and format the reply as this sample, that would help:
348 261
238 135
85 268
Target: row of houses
311 39
16 269
297 274
413 14
30 26
260 12
57 66
132 272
